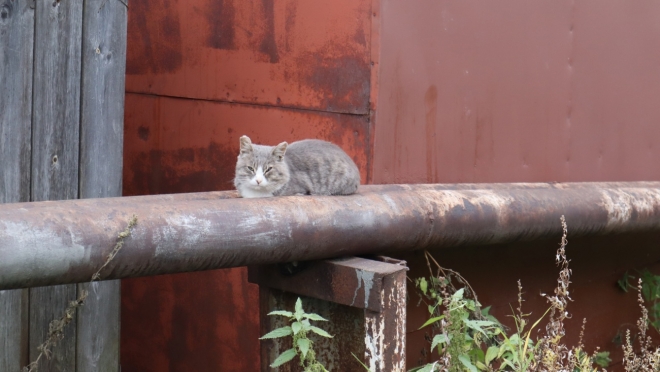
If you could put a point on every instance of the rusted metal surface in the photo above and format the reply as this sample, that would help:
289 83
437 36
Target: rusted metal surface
376 336
190 322
175 145
66 241
466 93
291 53
513 91
352 281
200 74
459 92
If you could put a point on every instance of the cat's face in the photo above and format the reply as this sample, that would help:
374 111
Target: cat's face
260 170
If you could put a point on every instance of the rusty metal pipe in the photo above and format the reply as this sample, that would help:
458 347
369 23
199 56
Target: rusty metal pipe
46 243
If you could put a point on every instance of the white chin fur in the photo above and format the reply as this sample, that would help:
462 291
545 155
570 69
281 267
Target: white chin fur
259 175
251 193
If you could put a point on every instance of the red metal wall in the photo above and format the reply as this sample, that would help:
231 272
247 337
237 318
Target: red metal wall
415 91
200 74
505 91
510 91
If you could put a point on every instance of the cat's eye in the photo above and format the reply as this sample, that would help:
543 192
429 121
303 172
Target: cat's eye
250 169
268 169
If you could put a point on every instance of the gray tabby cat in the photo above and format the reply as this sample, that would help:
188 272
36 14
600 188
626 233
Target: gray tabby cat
307 167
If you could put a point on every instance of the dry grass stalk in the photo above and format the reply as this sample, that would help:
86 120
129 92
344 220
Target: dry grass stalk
556 355
548 353
648 358
56 327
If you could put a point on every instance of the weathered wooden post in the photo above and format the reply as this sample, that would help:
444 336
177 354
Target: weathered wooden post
16 51
364 299
61 137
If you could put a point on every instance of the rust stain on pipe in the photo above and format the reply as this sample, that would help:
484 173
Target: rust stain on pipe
45 243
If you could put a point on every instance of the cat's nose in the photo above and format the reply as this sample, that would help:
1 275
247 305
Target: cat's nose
258 182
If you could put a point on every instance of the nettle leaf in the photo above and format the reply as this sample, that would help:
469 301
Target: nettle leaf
431 321
299 310
603 359
279 332
491 354
514 339
507 363
481 366
427 368
458 295
439 339
296 327
477 355
467 363
320 332
284 357
303 345
423 285
315 317
287 314
477 324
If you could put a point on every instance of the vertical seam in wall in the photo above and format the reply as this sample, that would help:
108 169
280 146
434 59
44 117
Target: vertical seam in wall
374 60
81 97
370 103
31 170
83 33
34 38
25 326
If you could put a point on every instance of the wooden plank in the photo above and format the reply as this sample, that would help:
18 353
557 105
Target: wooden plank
55 152
101 161
13 329
102 121
56 113
46 304
16 47
16 35
99 328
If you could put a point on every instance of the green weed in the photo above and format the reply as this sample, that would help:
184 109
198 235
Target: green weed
298 330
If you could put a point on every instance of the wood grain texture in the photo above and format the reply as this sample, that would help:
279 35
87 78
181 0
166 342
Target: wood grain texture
102 114
55 152
101 161
16 42
13 330
56 113
16 48
46 304
99 328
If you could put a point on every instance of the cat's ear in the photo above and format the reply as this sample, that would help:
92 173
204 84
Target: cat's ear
246 145
279 150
